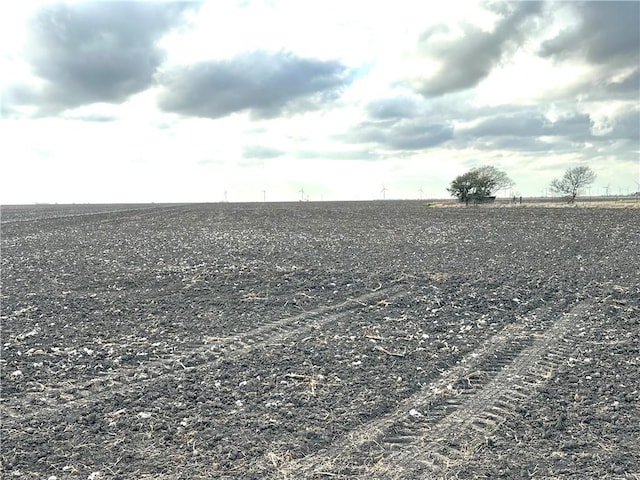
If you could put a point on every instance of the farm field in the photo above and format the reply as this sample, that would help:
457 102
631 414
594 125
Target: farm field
366 340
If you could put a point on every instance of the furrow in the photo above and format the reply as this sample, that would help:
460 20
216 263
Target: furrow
414 416
126 380
469 426
448 419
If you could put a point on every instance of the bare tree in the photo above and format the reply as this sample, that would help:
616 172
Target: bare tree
573 180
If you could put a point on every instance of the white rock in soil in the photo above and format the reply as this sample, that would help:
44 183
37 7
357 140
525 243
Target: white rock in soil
415 413
24 336
144 415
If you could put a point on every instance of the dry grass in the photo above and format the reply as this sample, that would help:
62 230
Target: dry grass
631 203
626 203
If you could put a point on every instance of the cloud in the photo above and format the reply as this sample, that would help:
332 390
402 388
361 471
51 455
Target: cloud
628 85
531 123
403 134
14 96
456 124
607 32
266 84
398 107
466 60
362 154
261 152
89 52
626 126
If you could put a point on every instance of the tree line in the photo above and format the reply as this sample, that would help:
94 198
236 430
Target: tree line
479 185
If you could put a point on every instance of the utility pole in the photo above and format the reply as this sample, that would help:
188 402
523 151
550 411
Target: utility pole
421 193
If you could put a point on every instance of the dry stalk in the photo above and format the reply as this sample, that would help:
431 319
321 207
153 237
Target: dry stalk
393 354
302 294
213 339
374 337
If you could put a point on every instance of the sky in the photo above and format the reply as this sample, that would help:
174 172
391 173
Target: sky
282 100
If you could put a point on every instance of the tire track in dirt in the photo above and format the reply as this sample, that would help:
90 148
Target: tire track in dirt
457 436
219 349
135 212
447 420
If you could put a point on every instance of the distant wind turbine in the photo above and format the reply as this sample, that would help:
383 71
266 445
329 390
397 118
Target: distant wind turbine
421 193
606 191
264 195
384 192
301 194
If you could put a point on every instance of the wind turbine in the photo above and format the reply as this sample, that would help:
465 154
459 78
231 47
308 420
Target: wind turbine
301 194
384 192
421 193
606 191
264 195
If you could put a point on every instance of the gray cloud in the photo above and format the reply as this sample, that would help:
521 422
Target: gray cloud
101 51
15 95
525 129
95 117
397 107
608 32
261 152
627 127
468 60
263 83
404 134
606 35
531 123
628 86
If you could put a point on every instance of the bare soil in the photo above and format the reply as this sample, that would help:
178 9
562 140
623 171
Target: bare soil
333 340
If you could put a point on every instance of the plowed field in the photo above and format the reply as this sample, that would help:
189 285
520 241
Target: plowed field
365 340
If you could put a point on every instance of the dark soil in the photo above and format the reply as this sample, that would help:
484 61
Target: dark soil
330 340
